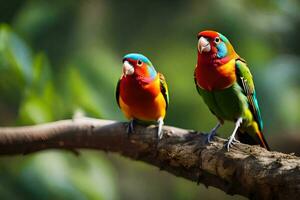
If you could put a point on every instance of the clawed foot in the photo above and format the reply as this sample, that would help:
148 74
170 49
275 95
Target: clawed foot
231 141
159 129
130 127
210 136
212 133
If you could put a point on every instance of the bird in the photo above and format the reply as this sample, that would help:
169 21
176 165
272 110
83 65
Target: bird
142 92
226 85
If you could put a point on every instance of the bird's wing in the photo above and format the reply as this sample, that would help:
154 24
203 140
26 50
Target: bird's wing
164 88
195 80
245 80
118 91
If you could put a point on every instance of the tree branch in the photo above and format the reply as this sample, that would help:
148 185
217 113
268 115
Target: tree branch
250 171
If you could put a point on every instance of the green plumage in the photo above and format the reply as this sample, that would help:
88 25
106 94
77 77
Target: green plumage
238 100
226 104
245 80
164 89
226 85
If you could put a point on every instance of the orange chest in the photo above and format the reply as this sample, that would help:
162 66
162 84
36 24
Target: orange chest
216 77
135 92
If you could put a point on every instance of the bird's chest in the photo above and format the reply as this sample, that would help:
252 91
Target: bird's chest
135 92
211 77
227 104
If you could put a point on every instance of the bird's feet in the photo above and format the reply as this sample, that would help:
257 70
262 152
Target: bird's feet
210 136
212 133
130 127
160 122
231 141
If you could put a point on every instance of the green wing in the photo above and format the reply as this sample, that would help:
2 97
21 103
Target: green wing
164 89
245 80
118 92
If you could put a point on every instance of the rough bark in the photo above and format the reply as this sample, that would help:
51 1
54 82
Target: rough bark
250 171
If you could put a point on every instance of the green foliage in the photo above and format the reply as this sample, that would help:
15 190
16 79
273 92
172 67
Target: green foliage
15 71
52 175
79 93
40 99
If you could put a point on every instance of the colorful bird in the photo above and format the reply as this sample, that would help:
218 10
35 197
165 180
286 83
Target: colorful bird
226 85
142 93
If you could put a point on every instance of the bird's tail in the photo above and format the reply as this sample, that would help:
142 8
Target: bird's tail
249 138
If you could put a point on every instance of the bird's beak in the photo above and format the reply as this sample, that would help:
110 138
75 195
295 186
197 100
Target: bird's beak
203 45
127 68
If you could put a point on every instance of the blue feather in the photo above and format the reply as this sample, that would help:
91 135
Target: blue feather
255 102
137 56
222 50
152 72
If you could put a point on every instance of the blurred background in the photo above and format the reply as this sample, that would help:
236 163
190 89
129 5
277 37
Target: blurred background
60 57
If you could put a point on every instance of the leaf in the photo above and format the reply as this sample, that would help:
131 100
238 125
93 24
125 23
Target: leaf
41 102
79 94
15 72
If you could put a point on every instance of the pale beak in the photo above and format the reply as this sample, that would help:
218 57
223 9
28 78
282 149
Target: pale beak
127 68
203 45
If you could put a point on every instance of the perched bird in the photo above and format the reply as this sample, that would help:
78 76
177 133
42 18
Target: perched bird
226 85
142 93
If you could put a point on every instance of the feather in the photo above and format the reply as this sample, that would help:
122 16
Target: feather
118 92
164 89
245 80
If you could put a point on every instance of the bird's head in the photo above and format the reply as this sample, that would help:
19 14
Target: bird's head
138 65
214 45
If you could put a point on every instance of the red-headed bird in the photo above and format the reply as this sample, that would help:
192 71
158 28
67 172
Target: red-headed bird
142 93
226 85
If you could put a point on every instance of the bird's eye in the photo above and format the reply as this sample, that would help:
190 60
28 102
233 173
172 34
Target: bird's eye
217 40
139 63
